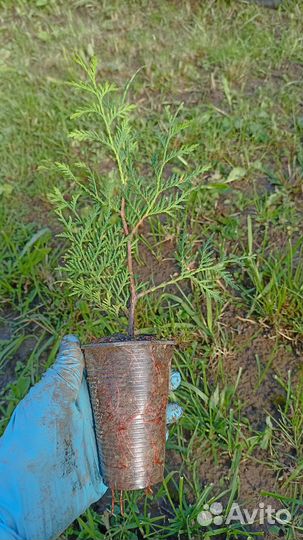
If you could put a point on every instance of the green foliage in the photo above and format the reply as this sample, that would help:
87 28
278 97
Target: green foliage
277 284
95 262
104 216
24 255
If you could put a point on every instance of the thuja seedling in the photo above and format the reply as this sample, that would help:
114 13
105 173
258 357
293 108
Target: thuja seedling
103 220
99 262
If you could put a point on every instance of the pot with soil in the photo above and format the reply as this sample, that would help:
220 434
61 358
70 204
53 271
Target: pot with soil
128 382
103 221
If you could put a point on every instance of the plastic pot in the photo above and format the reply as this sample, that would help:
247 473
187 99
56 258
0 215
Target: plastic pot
129 383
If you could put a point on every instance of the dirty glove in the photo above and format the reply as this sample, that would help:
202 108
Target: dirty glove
49 472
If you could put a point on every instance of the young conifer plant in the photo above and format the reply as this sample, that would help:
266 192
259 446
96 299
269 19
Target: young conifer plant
99 262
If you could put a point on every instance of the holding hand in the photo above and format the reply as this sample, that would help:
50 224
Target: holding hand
49 471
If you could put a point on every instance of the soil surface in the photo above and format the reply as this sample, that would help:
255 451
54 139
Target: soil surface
120 338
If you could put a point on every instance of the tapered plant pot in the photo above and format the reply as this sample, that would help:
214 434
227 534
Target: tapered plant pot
129 383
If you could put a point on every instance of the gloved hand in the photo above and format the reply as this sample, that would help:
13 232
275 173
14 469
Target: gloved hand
49 472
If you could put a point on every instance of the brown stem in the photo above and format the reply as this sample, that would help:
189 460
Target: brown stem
133 292
113 500
121 503
137 226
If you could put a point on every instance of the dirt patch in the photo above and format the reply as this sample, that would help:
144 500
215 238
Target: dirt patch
158 266
215 473
256 477
261 356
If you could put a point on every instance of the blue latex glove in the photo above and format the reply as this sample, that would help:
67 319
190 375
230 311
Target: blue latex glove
49 472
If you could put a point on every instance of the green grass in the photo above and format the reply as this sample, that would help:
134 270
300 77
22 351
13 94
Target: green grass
276 279
237 69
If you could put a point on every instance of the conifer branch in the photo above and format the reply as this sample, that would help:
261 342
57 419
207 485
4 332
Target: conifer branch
102 218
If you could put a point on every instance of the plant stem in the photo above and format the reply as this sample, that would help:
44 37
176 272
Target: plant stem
133 291
173 281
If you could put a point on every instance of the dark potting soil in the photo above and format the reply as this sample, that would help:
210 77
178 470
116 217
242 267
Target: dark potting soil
122 337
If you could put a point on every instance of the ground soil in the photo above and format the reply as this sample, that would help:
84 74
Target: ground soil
249 340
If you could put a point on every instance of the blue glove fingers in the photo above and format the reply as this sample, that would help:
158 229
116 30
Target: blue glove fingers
173 413
69 363
7 533
175 380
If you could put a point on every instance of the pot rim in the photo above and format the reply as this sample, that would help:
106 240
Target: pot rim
133 342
